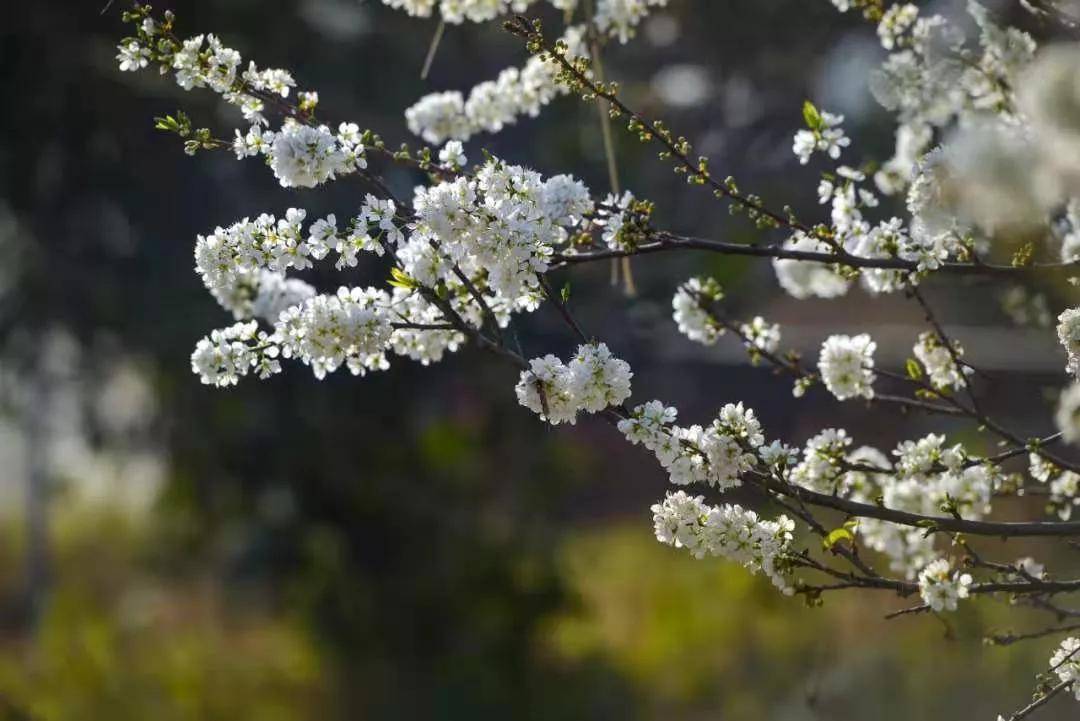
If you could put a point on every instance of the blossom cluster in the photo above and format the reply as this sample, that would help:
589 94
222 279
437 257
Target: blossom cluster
931 79
493 104
1065 663
693 321
940 364
300 154
592 381
616 18
1067 416
728 531
717 455
924 244
497 229
934 79
504 223
305 156
1068 332
618 217
324 331
803 279
1064 485
243 265
620 18
822 466
203 61
846 365
926 478
459 11
227 354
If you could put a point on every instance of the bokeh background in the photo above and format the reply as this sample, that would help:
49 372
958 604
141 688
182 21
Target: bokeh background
414 544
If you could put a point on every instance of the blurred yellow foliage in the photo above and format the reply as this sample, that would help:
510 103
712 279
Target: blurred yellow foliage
114 642
698 638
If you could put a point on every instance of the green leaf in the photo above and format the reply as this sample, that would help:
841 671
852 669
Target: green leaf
836 536
914 370
400 279
167 123
565 292
811 116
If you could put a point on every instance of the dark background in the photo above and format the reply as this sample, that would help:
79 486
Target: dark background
413 544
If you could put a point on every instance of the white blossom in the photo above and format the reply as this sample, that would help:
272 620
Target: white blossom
382 214
505 221
760 335
424 345
717 455
133 56
453 154
803 279
1065 663
821 468
896 21
439 117
598 380
1027 567
416 8
829 138
1068 333
728 531
230 259
492 105
612 218
1064 485
915 458
592 381
305 156
885 240
896 173
940 587
938 362
1068 413
846 365
276 293
228 354
351 328
620 18
255 142
691 318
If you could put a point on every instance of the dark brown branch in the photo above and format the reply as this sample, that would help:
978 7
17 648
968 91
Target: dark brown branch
667 242
1037 703
1009 638
564 312
1007 529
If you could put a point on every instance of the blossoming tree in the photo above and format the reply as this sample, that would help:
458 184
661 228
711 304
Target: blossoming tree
476 243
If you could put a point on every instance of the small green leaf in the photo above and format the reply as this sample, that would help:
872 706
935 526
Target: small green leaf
836 536
811 116
167 123
914 370
1023 255
565 292
400 279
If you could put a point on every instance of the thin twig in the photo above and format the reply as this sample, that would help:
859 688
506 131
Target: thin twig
432 49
